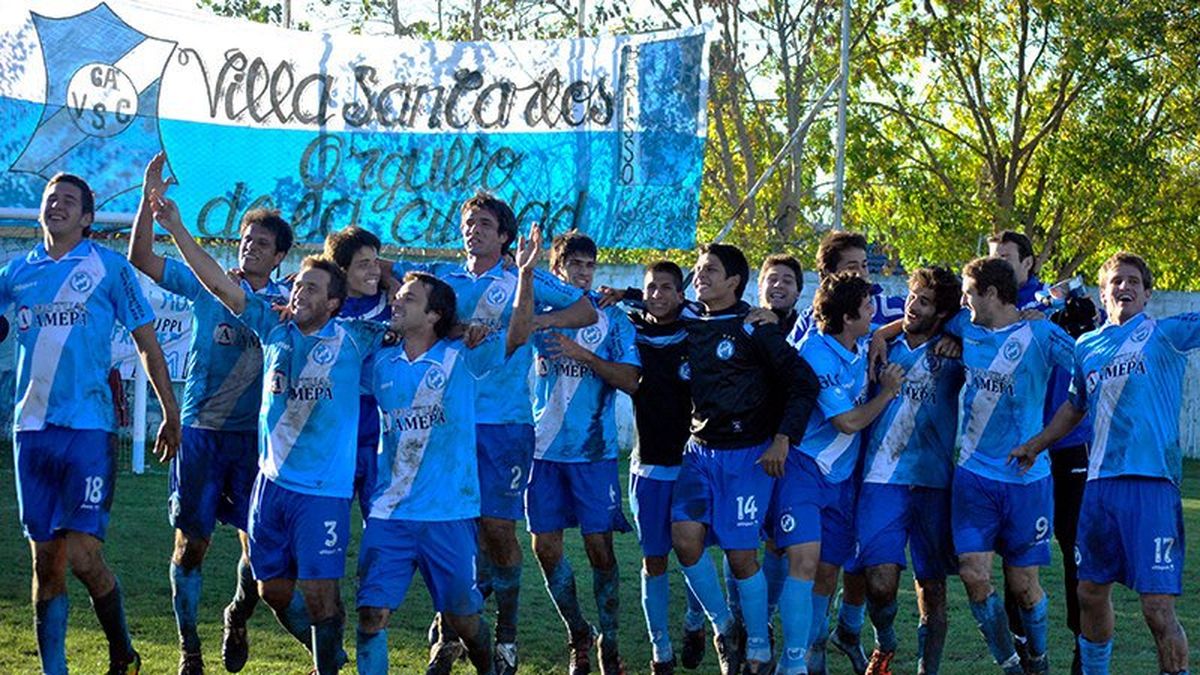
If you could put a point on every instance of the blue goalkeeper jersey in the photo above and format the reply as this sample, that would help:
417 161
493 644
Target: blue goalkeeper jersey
223 391
503 396
308 422
427 461
1008 371
912 441
65 312
574 408
1129 377
843 377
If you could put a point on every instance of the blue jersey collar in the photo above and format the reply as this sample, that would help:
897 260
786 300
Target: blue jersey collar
843 353
39 255
435 354
494 272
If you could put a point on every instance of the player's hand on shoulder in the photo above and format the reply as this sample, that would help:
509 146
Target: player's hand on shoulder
557 344
1032 315
948 347
474 334
877 356
608 296
760 316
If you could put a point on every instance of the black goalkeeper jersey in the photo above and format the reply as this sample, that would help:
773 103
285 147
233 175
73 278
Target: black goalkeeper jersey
662 405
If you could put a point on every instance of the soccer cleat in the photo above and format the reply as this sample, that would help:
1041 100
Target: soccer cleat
1036 665
610 658
880 663
504 658
693 649
433 635
443 655
1021 645
131 667
816 659
235 644
851 646
758 668
581 647
730 649
663 667
191 664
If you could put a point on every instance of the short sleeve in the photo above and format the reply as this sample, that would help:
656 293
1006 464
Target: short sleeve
179 279
486 356
1182 330
622 341
550 291
132 308
1060 348
833 399
258 315
1077 391
958 323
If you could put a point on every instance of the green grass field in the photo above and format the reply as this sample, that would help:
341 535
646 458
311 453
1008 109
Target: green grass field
139 546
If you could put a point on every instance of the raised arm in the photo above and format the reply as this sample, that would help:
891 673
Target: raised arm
167 441
520 324
141 237
577 315
207 270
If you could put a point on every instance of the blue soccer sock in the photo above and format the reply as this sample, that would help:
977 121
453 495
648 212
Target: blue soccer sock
295 621
1094 656
1035 622
731 590
753 592
327 645
606 586
818 630
372 656
795 611
883 618
560 582
693 616
110 610
506 584
51 625
775 567
656 600
850 617
993 624
245 596
185 594
702 580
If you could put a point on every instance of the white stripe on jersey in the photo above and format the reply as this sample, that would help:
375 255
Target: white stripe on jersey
51 340
487 310
411 447
832 452
221 403
984 403
555 412
1110 394
286 430
887 457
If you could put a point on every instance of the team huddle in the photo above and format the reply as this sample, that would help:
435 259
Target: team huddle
977 416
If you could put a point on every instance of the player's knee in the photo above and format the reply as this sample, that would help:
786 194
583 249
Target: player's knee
803 560
600 551
189 551
50 566
548 549
371 620
977 580
466 626
87 564
277 595
882 583
655 565
743 563
1159 612
1091 597
498 535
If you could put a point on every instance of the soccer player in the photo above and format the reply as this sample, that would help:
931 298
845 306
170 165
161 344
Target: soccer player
425 502
813 503
1129 376
213 474
68 292
484 286
996 507
905 496
738 446
356 251
574 480
300 506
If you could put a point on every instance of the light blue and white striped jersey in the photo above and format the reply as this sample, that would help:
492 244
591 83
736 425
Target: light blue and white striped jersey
64 319
308 424
1008 372
427 463
1129 377
223 391
503 396
843 377
573 408
912 441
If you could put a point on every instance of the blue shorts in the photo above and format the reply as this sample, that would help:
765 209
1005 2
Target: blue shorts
1131 532
727 490
65 480
297 536
807 507
210 479
444 552
366 461
893 517
1012 519
586 495
505 453
650 501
